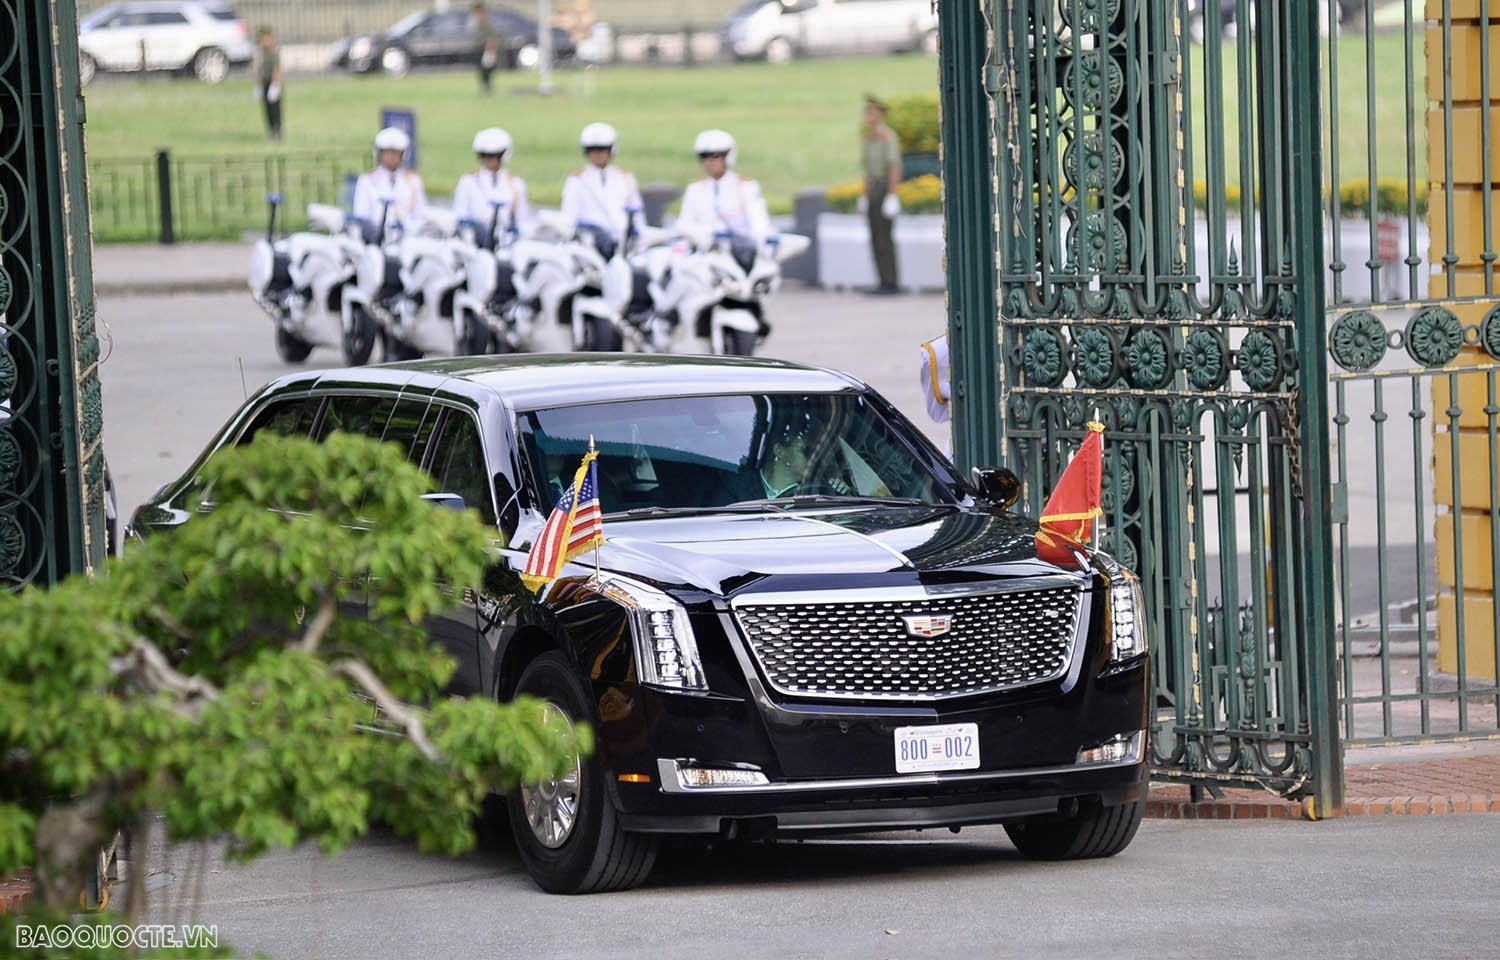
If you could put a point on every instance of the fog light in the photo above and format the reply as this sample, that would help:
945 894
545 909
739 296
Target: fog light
1121 748
720 777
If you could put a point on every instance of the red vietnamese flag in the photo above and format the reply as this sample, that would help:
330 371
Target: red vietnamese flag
1074 503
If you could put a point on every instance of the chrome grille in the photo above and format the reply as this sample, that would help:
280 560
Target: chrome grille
995 641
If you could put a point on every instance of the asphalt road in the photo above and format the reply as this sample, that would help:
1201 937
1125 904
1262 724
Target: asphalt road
1398 887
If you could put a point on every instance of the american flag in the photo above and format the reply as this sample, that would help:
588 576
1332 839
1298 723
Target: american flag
576 524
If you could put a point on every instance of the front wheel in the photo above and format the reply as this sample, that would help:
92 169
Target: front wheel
290 347
87 68
211 65
780 50
477 338
599 334
395 62
1093 831
738 343
359 339
566 830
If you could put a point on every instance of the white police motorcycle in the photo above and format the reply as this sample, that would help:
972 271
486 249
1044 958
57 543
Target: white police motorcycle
552 269
301 280
717 287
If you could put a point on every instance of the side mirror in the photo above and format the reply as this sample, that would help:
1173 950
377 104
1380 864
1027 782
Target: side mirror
449 501
997 484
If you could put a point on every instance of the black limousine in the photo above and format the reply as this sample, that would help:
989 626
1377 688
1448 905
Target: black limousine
801 621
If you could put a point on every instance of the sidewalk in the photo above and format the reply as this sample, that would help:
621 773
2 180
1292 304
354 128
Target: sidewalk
151 269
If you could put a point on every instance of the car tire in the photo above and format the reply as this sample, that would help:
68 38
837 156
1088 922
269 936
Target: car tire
929 43
395 62
87 69
528 56
211 65
567 831
1094 831
739 343
358 342
780 50
290 347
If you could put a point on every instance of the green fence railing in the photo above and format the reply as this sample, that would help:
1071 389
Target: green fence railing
166 198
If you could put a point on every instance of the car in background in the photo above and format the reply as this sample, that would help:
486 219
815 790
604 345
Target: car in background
779 30
197 37
429 37
883 644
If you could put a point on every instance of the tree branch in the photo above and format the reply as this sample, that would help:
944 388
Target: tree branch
149 665
319 624
407 718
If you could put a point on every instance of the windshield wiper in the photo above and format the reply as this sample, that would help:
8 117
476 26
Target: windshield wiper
636 512
834 498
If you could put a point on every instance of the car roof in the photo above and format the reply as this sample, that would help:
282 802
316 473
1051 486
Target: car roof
534 381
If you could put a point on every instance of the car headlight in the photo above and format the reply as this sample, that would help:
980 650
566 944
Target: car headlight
359 49
666 654
1127 615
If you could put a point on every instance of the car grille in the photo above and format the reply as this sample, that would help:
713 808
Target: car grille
994 642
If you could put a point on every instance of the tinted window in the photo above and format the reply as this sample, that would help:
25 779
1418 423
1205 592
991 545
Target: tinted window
458 464
291 417
362 414
165 18
712 451
404 423
222 13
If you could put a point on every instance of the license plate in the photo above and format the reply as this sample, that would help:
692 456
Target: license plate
946 746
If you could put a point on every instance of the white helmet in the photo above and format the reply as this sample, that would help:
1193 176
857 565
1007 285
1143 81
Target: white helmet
491 141
715 141
597 135
392 138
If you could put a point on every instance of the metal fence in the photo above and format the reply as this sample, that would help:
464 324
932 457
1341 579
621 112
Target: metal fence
167 198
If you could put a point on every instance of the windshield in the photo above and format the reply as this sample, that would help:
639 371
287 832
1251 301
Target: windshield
405 24
97 17
710 452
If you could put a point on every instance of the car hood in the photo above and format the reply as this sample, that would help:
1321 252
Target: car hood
725 552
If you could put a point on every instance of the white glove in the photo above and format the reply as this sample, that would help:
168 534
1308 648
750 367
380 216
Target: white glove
862 205
273 93
890 206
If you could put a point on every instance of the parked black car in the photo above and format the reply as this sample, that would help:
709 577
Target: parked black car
881 646
428 37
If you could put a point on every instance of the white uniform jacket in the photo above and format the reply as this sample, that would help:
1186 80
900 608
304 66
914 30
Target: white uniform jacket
477 192
403 188
732 203
934 376
603 197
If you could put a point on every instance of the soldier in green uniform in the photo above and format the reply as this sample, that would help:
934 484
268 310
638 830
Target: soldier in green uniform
881 159
268 80
489 46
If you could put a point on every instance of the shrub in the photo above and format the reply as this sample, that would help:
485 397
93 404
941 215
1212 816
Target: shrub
915 120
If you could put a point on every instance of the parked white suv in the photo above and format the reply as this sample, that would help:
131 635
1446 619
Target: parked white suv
203 38
778 30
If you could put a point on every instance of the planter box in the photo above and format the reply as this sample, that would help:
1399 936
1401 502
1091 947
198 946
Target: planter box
844 251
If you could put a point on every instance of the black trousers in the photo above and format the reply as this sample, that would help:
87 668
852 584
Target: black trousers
882 245
273 113
484 74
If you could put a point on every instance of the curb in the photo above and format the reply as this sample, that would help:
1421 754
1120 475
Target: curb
1173 807
165 288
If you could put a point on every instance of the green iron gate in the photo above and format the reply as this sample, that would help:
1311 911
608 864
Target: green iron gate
1114 141
51 460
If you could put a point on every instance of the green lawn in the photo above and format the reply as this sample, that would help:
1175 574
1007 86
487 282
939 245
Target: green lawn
797 127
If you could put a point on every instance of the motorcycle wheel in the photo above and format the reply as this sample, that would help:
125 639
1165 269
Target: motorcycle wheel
599 334
477 337
290 347
359 339
396 350
739 343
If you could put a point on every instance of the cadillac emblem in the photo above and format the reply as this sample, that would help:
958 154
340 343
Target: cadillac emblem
928 624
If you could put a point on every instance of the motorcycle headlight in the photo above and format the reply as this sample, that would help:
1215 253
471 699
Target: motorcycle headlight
1127 616
666 654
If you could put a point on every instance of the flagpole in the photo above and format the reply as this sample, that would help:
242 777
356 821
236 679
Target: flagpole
601 509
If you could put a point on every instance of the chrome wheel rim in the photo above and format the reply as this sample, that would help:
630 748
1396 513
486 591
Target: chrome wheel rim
551 806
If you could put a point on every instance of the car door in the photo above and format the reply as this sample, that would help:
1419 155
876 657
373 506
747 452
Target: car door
170 39
115 43
456 460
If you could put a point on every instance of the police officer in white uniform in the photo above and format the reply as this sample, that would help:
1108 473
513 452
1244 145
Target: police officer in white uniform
601 194
389 194
492 199
724 201
934 375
